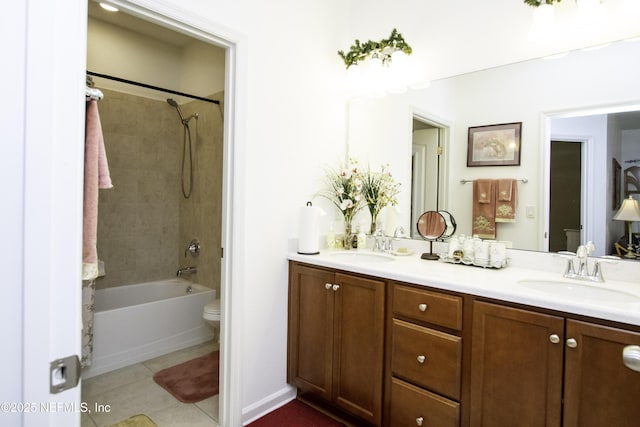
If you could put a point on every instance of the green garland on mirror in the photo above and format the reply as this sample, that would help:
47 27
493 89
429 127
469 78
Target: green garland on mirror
536 3
359 51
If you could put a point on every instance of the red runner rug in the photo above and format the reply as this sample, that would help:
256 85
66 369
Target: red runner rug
191 381
295 414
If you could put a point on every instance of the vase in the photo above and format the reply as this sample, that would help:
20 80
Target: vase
347 240
374 219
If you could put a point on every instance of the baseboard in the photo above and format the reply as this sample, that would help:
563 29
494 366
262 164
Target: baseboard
268 404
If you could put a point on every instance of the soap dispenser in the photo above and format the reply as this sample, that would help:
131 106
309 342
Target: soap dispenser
362 238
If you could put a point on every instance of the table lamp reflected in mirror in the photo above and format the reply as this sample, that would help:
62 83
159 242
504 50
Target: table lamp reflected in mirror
629 211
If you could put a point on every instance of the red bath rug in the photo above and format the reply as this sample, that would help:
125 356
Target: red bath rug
295 414
191 381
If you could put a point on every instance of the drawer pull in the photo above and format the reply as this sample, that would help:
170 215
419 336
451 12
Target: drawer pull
631 357
419 421
336 287
422 307
554 338
327 286
421 358
572 343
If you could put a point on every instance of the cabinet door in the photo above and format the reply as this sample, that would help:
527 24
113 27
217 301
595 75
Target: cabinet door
311 329
599 389
358 353
516 367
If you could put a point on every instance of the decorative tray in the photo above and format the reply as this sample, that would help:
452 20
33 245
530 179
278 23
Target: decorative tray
474 262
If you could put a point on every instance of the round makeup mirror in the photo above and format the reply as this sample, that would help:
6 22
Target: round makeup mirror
431 225
451 225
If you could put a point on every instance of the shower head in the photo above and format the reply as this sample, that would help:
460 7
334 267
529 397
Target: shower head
175 105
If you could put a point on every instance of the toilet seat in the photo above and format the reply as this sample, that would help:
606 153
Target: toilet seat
212 310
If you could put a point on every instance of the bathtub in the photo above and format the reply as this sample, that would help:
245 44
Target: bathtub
134 323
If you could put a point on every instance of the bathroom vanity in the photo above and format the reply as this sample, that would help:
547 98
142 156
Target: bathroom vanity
402 341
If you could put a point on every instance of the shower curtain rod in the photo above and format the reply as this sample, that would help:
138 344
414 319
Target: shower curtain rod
144 85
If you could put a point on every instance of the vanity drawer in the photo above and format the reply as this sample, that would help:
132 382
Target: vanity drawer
413 406
426 357
426 306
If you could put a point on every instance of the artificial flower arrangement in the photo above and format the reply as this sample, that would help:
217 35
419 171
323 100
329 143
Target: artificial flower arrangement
350 190
380 190
344 190
536 3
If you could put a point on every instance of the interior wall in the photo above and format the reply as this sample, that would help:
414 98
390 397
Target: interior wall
196 68
451 37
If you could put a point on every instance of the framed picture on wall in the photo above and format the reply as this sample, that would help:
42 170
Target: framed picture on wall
494 145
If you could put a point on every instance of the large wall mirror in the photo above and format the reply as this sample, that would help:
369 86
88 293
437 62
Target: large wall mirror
588 98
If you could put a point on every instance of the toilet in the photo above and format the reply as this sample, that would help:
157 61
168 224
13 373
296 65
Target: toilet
211 314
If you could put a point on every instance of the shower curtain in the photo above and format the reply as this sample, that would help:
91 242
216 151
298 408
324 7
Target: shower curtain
96 176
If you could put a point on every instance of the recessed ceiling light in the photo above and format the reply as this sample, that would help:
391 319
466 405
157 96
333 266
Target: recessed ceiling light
108 7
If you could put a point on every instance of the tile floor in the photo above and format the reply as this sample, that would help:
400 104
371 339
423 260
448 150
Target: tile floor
131 390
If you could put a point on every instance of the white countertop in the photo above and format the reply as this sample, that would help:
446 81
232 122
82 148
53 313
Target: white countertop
501 284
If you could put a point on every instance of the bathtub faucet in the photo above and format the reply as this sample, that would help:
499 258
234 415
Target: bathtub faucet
186 270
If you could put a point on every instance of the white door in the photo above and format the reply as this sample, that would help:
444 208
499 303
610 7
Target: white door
50 37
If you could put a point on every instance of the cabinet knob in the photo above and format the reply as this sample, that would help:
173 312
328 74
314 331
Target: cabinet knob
422 307
631 357
327 286
421 358
572 343
419 421
335 287
554 338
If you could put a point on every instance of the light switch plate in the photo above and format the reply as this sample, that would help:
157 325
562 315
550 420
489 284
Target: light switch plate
531 211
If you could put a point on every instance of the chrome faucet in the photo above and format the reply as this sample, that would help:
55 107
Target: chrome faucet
582 255
381 242
186 270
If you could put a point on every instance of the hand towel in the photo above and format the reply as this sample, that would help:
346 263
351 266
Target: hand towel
96 175
484 208
507 198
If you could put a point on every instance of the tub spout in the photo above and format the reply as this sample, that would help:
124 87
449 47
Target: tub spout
186 270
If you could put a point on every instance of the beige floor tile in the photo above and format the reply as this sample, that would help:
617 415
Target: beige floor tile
182 416
210 406
110 380
180 356
86 421
141 397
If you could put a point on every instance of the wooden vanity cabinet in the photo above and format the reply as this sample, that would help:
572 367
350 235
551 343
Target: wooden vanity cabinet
425 349
526 363
336 339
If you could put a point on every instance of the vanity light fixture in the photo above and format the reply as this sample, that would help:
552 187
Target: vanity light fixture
629 211
378 67
543 25
108 7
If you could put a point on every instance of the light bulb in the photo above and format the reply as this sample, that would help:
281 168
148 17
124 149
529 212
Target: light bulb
543 22
108 7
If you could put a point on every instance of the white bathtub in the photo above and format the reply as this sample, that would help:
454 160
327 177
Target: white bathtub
134 323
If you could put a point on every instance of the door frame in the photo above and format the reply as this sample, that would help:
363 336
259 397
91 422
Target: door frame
48 169
230 412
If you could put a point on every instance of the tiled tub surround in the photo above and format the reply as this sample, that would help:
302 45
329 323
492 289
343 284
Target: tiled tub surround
144 222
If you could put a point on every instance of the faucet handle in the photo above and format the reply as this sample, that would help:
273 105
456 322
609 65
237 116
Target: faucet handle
570 271
597 270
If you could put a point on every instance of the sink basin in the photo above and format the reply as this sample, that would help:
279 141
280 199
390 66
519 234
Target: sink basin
581 291
355 256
